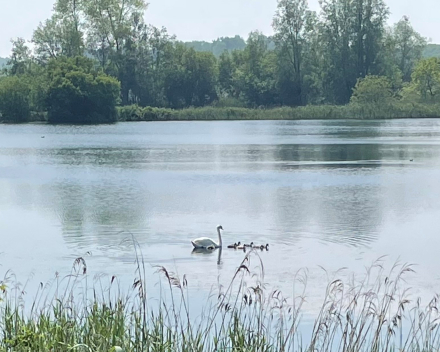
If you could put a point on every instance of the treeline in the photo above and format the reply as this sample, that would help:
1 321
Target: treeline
218 46
93 55
431 50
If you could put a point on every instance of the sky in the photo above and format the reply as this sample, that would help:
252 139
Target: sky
206 19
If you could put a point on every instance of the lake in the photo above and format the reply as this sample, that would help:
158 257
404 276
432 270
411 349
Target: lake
331 194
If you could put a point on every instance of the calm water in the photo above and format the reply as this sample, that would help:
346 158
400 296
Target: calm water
322 193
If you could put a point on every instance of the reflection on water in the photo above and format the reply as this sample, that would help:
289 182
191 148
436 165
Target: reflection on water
205 251
330 193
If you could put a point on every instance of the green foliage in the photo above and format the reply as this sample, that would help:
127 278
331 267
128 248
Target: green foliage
78 93
254 75
190 80
387 110
317 58
245 316
137 113
407 47
426 78
372 90
20 60
352 40
14 99
290 27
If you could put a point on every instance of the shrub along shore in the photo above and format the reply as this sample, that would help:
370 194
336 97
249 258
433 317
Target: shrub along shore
312 112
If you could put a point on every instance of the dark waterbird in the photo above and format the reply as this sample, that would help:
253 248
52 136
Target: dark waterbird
235 245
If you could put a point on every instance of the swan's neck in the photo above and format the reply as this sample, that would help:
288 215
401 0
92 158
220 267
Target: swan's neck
219 238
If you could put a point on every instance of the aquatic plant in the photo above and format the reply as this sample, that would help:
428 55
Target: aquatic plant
372 313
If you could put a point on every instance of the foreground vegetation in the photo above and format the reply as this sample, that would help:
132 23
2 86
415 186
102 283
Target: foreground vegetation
91 56
374 313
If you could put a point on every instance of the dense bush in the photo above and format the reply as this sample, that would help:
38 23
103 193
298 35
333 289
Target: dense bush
78 93
372 90
14 99
137 113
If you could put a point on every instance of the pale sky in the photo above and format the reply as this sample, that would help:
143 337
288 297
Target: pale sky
206 19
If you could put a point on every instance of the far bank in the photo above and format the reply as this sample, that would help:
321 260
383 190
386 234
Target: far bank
310 112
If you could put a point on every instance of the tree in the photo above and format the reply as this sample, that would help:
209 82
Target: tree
191 77
339 71
372 90
426 78
14 99
78 93
255 75
62 34
369 21
352 33
408 47
20 59
226 71
289 24
109 24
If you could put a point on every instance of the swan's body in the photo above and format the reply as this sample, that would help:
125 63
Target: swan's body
208 243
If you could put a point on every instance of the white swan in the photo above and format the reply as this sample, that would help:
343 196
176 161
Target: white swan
207 243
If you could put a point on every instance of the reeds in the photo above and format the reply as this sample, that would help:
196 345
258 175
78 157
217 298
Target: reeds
372 313
392 110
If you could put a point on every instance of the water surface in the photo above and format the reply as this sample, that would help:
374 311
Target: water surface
321 193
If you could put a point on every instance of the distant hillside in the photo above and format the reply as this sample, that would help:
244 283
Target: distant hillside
218 46
432 50
3 61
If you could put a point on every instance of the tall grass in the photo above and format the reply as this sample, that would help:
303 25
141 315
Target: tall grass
311 112
370 314
397 109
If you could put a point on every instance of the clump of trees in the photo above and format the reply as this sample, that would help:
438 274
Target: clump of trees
92 55
14 99
80 93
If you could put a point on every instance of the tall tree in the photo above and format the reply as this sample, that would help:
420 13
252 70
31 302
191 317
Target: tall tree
426 78
289 24
109 27
352 34
369 28
255 76
339 71
62 34
226 71
408 47
20 60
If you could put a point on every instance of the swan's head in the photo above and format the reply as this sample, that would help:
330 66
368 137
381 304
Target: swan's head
219 227
238 243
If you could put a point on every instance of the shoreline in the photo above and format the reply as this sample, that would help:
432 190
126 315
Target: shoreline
134 113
